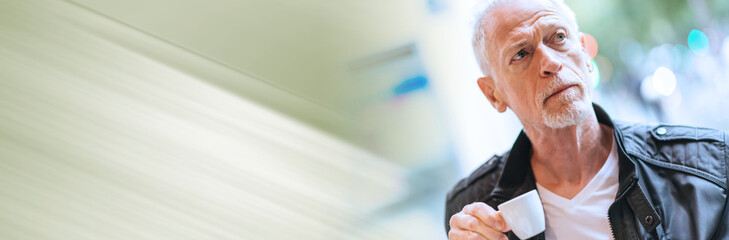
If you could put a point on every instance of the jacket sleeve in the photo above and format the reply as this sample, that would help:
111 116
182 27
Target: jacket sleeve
722 231
464 192
447 220
451 208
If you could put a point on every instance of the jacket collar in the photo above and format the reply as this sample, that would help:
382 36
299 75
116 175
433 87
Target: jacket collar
517 177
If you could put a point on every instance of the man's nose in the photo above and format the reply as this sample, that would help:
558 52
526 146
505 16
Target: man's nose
549 64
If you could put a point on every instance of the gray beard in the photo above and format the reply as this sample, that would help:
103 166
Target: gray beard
577 108
573 115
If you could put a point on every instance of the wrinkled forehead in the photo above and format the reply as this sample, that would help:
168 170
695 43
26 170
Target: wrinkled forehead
508 16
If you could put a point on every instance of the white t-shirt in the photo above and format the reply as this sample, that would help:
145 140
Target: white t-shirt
585 215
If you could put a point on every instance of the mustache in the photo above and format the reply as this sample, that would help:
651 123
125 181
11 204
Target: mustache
563 78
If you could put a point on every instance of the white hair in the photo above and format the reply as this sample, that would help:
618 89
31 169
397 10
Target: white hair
479 31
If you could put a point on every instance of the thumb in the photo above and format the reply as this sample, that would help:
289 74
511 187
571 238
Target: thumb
504 226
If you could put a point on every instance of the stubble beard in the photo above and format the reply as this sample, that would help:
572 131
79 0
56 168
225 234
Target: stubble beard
574 107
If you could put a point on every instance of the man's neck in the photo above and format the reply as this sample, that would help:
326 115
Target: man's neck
564 160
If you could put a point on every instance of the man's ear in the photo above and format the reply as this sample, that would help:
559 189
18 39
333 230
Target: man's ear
584 49
487 87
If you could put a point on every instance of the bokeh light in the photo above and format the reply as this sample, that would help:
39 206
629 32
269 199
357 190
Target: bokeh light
664 81
595 74
606 68
647 89
698 42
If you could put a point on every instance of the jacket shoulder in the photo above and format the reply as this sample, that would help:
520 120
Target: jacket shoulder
694 150
475 187
485 169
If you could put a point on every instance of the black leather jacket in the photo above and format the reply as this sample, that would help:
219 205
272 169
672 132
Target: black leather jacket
673 182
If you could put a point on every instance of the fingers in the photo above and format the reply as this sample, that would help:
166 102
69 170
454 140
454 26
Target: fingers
477 221
468 223
487 215
460 234
506 227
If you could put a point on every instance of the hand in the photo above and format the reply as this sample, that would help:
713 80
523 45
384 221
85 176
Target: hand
477 221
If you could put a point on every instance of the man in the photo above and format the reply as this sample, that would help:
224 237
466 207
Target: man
597 179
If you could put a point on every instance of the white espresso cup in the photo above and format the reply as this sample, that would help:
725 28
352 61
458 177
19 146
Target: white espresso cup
524 215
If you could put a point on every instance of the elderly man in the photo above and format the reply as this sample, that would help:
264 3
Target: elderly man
597 179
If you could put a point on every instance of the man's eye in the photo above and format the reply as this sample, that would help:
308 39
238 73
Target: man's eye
519 55
560 37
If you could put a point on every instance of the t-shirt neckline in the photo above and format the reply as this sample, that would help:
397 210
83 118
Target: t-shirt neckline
595 183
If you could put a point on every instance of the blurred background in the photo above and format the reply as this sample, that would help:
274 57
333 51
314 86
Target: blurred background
313 119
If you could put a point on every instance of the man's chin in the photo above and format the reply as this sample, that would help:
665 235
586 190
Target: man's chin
566 115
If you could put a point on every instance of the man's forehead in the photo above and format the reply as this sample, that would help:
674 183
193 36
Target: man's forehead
503 18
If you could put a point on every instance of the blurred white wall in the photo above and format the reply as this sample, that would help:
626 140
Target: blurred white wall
109 133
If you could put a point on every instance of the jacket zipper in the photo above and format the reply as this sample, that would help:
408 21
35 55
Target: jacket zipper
613 226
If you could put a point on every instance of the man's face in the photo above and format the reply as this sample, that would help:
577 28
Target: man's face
539 66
